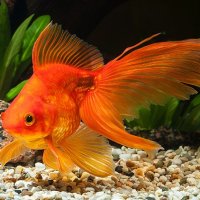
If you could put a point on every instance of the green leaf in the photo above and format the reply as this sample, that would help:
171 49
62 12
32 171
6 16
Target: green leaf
4 29
171 107
16 41
32 34
14 91
8 67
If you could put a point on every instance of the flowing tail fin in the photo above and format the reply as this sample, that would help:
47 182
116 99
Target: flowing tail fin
138 78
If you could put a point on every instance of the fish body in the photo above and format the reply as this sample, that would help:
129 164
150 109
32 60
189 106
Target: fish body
70 83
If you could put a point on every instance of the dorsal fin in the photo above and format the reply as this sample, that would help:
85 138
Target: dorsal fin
57 46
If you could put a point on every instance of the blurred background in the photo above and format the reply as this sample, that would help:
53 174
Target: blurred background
112 25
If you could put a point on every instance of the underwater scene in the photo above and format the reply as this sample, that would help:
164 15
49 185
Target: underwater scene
99 100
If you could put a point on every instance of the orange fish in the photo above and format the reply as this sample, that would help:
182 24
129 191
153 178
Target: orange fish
70 83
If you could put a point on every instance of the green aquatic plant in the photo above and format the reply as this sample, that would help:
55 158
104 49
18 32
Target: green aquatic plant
15 50
177 115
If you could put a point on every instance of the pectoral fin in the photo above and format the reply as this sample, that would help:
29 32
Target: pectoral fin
11 150
89 151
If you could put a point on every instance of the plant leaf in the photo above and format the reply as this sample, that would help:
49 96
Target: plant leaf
14 91
4 30
171 107
12 50
32 34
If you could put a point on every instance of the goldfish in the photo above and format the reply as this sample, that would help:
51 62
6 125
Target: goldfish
73 102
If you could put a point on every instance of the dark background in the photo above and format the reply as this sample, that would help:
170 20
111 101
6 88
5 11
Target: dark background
112 25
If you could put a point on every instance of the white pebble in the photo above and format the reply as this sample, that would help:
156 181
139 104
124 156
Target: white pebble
135 157
77 196
116 151
18 169
192 181
39 166
163 179
117 196
19 184
30 172
176 161
142 154
131 151
9 185
101 196
3 196
36 189
125 156
11 172
89 189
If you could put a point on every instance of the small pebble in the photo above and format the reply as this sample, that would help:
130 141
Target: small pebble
39 166
176 161
26 192
54 175
191 181
119 169
18 169
125 156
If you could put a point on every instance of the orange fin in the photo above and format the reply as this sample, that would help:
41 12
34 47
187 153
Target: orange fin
138 78
60 161
89 151
11 150
150 74
55 158
57 46
106 120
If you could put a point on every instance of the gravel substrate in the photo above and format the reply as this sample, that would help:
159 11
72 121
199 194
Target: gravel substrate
171 175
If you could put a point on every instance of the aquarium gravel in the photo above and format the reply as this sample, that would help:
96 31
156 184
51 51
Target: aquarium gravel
173 174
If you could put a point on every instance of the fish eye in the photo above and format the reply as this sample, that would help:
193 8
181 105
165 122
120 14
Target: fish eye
29 119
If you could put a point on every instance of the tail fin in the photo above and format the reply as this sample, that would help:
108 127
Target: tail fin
137 78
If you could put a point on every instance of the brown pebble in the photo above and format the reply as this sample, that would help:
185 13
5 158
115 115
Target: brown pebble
69 188
114 179
132 164
26 192
141 186
139 172
183 181
38 176
174 176
54 175
150 175
90 178
151 168
82 184
9 179
118 184
84 175
63 188
168 163
129 183
171 155
183 159
159 163
77 190
51 187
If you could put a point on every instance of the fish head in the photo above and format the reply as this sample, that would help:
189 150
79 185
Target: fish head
28 117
